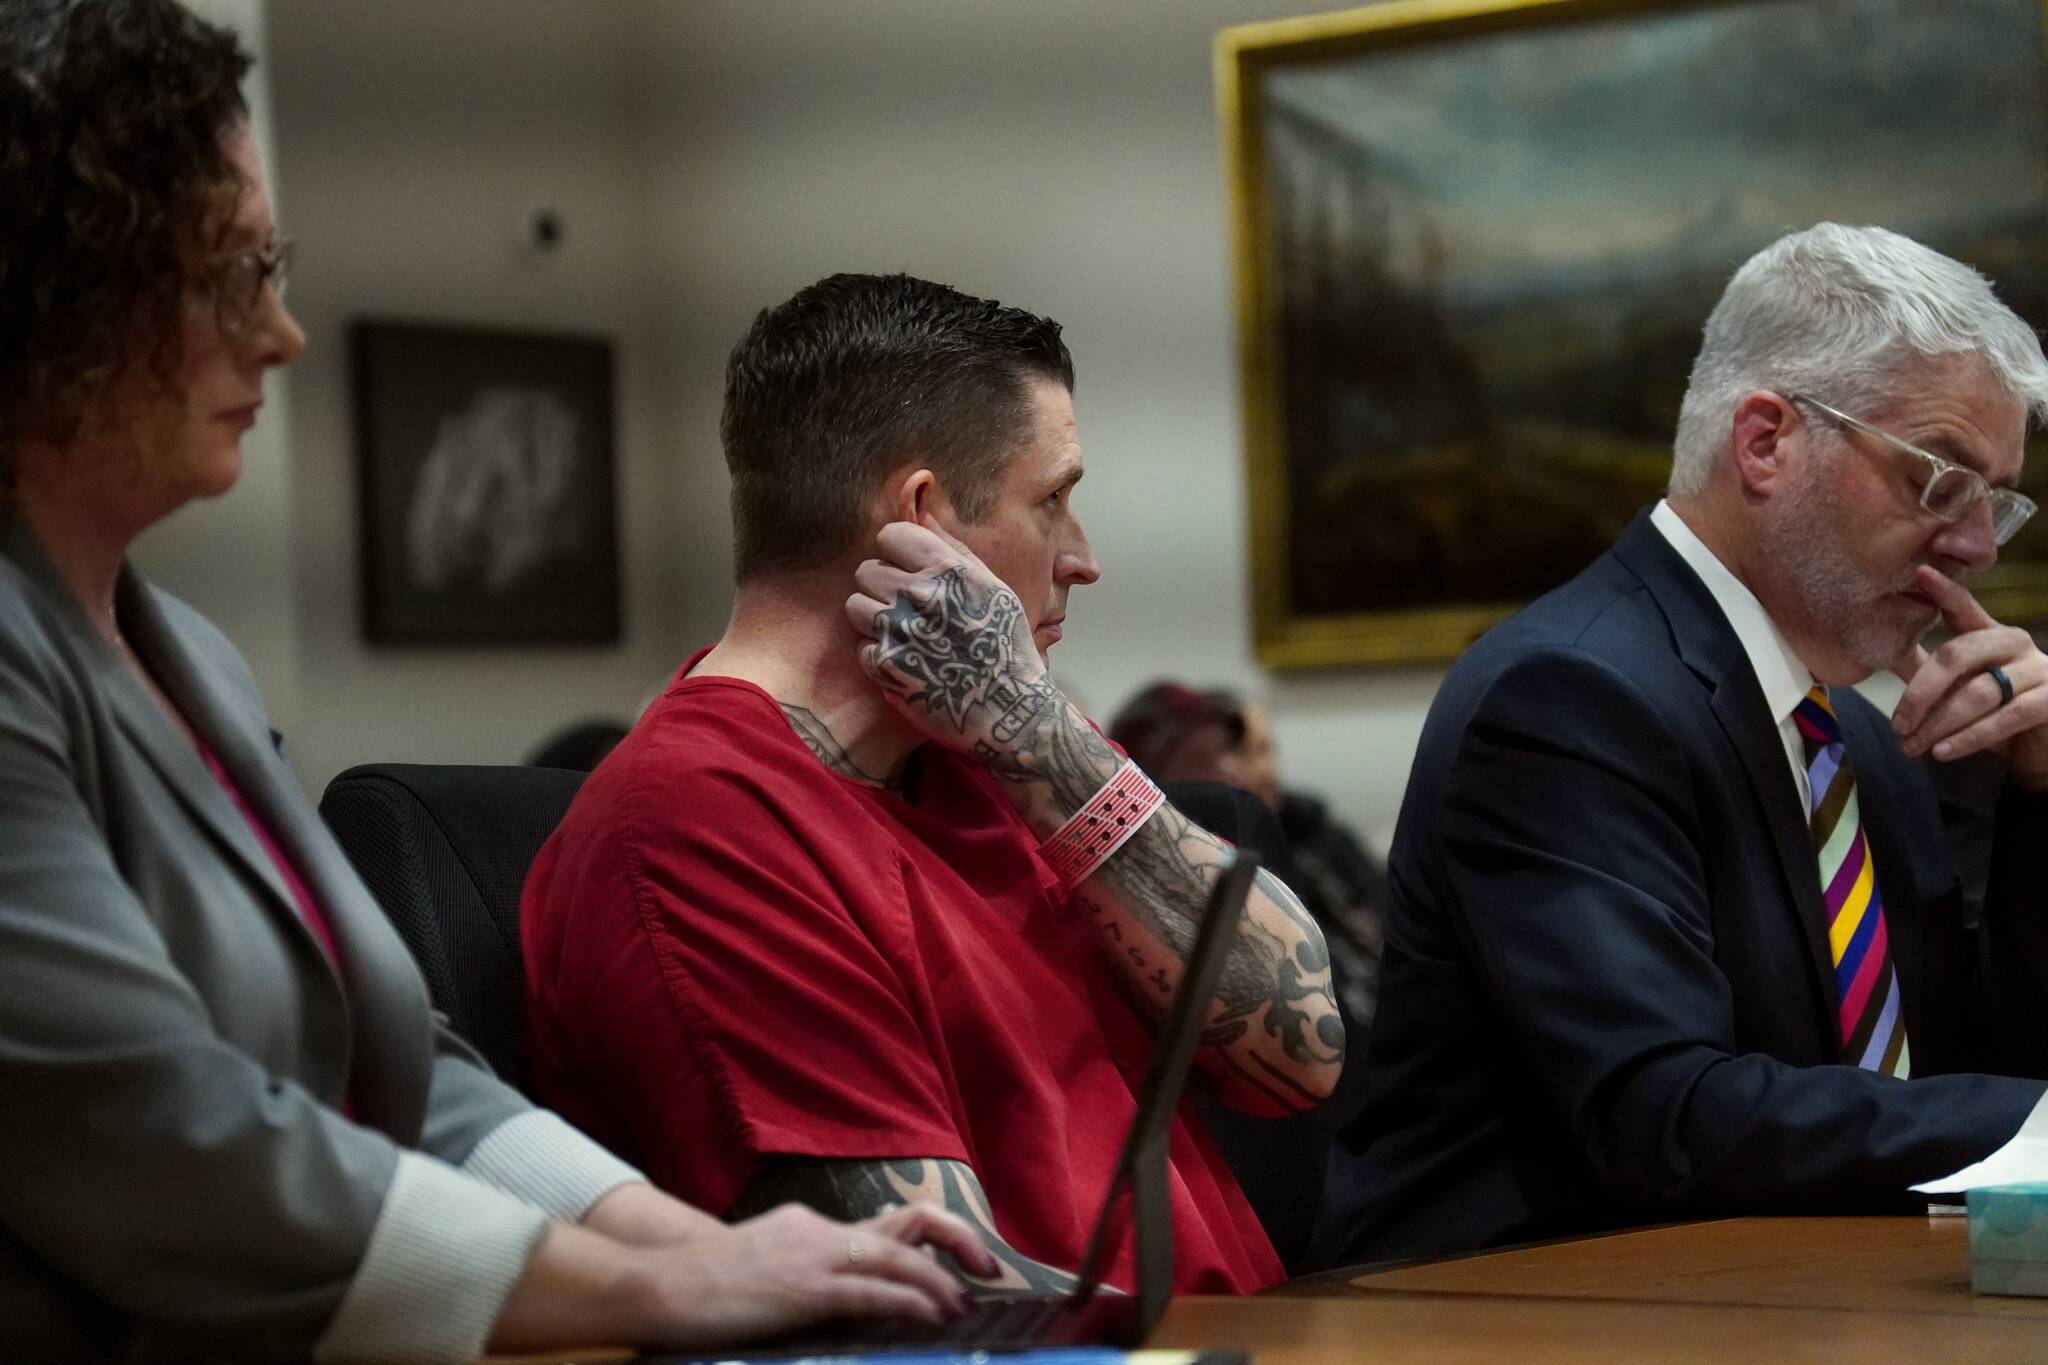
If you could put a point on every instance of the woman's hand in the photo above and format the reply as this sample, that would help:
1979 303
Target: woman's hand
787 1269
791 1267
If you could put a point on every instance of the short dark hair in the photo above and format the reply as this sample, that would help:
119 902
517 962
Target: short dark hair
112 120
1152 724
828 392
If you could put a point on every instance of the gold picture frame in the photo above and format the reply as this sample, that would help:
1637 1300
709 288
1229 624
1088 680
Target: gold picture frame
1415 439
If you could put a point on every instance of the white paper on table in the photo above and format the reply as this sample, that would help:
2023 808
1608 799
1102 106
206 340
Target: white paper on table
2022 1161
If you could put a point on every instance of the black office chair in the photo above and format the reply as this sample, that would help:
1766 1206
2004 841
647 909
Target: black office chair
445 850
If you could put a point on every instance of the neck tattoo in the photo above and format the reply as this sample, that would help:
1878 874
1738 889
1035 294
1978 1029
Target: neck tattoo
827 749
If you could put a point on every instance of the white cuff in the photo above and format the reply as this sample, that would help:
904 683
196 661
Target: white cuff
550 1165
444 1255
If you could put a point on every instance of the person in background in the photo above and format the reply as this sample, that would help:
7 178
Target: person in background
232 1126
1673 930
838 920
1177 733
581 746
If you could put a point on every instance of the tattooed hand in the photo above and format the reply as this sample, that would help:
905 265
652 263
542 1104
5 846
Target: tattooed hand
948 642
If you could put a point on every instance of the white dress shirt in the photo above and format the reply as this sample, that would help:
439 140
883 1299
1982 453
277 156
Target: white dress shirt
1783 676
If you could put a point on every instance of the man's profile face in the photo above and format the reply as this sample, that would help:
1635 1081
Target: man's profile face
1033 541
1849 533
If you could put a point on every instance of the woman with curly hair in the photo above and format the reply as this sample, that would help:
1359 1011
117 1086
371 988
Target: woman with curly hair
231 1127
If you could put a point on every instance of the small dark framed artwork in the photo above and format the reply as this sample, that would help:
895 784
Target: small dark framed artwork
487 505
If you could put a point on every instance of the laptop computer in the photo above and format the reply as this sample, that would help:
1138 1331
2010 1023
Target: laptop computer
1083 1315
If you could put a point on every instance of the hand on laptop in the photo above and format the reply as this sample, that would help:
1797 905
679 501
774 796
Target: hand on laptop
791 1267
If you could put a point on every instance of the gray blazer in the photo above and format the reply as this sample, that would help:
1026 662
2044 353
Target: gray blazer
177 1177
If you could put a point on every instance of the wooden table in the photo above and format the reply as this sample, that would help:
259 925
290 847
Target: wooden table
1822 1289
1833 1290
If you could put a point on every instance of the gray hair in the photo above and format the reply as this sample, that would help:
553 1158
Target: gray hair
1842 312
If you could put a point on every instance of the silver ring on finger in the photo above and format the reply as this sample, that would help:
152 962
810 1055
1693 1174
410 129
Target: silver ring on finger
1997 675
854 1253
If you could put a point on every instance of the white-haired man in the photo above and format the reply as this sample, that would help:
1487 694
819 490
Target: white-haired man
1673 931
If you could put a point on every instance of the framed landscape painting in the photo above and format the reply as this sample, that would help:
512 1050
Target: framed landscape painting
1476 241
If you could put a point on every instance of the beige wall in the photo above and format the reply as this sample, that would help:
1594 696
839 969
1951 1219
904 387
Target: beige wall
414 137
714 155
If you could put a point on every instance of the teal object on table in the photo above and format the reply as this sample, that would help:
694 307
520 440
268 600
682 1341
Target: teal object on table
2009 1239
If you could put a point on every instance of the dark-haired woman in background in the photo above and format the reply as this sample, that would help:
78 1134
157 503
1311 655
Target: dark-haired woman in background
229 1126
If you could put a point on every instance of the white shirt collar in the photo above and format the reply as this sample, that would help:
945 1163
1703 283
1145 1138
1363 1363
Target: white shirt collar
1782 674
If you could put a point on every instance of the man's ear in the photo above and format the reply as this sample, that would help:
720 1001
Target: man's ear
911 492
1763 436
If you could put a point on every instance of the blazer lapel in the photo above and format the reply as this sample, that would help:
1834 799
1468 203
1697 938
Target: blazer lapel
139 715
384 999
391 1024
1710 647
379 1002
205 709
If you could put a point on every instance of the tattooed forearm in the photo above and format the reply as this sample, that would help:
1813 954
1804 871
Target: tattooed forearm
1144 966
1287 991
858 1189
1275 1033
954 653
1055 759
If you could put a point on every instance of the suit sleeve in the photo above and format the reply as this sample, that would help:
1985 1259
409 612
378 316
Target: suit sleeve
161 1168
1570 843
2012 939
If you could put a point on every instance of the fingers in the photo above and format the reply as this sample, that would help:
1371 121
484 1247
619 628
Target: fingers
915 548
888 1259
1952 688
1952 707
864 1296
921 1224
861 611
959 547
1971 719
1962 614
884 581
1958 608
854 1268
921 546
1992 731
1973 698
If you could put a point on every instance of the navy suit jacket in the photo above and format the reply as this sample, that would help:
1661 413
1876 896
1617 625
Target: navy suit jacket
1608 994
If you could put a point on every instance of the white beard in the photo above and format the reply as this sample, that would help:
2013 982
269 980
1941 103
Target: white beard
1803 537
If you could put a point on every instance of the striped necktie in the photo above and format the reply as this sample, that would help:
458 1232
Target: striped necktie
1866 986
